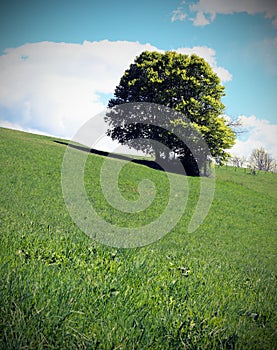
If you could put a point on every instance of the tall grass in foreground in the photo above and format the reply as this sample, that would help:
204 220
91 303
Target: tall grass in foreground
211 289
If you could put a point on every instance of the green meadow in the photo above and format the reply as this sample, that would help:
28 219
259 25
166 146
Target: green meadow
214 288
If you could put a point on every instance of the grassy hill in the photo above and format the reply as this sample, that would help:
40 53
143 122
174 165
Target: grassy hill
214 288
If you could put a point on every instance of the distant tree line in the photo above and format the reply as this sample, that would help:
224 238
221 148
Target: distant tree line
260 159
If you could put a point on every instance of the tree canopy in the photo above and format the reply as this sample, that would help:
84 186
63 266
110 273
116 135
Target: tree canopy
186 84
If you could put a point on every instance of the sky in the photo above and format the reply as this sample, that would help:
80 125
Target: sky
60 61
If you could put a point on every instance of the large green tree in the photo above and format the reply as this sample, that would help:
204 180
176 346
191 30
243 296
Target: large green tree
186 84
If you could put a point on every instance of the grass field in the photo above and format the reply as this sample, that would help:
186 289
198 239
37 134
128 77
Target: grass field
214 288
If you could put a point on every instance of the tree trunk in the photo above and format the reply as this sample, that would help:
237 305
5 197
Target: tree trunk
157 155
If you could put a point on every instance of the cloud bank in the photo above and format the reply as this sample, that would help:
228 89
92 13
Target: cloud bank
258 133
54 88
205 11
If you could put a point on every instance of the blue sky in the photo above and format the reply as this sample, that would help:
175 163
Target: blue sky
61 60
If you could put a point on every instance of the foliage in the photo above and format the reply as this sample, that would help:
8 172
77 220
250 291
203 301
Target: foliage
183 83
212 289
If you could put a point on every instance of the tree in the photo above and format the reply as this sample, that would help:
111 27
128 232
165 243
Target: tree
261 160
235 124
183 83
238 161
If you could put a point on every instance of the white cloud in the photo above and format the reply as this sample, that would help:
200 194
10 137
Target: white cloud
210 56
55 87
178 15
223 74
260 133
206 10
200 19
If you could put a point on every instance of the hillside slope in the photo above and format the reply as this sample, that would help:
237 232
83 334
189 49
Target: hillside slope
214 288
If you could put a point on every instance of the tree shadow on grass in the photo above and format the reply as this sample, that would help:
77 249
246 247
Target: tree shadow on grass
170 165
